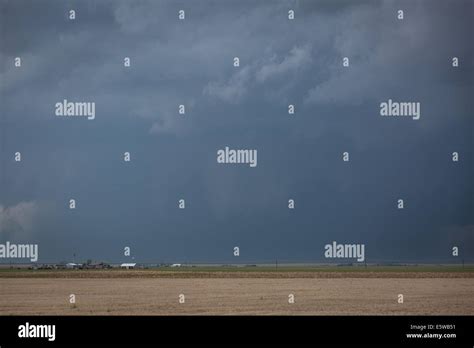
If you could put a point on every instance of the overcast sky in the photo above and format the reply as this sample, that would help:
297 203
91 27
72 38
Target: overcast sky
282 62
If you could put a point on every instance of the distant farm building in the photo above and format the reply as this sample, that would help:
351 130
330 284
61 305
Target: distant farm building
128 265
72 265
176 265
97 265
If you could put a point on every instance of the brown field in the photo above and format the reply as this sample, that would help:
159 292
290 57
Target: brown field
151 292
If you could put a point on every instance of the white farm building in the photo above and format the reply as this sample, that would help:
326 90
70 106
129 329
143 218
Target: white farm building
128 265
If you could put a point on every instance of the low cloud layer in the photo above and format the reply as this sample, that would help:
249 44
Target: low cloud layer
190 63
18 221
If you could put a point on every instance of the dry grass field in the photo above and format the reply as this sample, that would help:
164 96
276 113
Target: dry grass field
239 292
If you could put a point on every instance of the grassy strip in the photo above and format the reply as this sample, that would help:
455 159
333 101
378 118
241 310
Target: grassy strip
259 269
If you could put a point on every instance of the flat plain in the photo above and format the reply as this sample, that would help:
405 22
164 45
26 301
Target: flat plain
327 291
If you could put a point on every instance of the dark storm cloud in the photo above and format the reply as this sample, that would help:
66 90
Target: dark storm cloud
190 62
